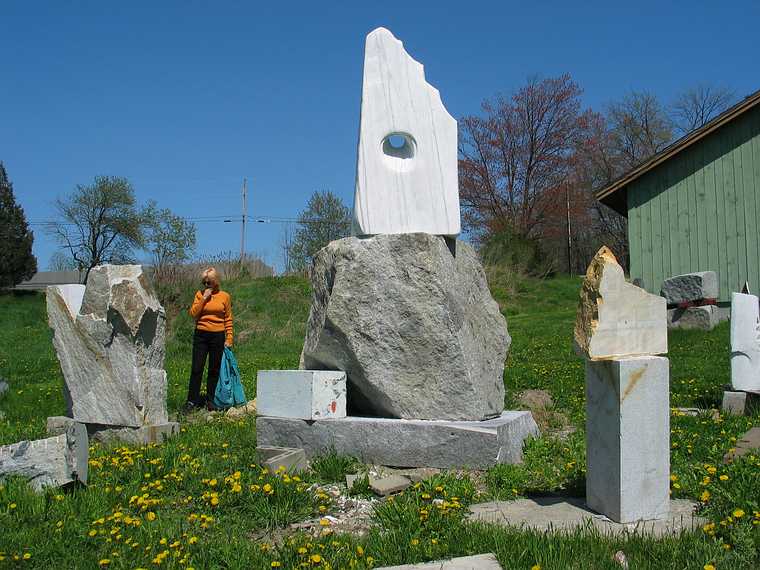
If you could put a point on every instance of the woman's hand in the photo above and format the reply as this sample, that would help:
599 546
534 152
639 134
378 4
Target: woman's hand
228 343
207 294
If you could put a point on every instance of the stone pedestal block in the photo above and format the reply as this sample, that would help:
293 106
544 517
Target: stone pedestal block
745 342
628 438
703 318
739 403
690 287
406 443
304 394
52 462
157 433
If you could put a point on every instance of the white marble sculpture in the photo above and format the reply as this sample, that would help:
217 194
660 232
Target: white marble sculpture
745 342
406 171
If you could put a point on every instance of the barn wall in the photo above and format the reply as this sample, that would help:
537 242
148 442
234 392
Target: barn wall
699 211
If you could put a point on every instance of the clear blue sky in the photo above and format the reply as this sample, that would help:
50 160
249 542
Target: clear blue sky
186 98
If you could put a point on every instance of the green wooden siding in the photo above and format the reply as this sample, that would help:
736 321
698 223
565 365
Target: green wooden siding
699 211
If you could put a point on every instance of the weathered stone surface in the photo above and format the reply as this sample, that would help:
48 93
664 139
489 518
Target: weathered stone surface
560 514
739 403
406 443
385 486
690 287
703 318
745 342
479 562
109 339
628 438
3 387
54 461
281 458
236 412
412 186
616 318
414 327
143 435
305 394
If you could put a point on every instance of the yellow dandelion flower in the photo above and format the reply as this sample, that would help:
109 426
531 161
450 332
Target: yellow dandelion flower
738 513
708 567
193 539
414 542
150 515
276 564
26 556
359 551
324 522
705 496
104 562
214 501
723 477
316 558
535 567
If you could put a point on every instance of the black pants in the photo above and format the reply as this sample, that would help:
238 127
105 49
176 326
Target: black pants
205 344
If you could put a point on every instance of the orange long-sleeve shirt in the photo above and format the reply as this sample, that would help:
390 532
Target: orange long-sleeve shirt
214 315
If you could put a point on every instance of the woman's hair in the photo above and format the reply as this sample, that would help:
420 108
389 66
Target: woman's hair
212 276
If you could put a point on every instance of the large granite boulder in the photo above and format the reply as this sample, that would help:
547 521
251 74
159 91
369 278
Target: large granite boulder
52 462
110 340
690 287
413 325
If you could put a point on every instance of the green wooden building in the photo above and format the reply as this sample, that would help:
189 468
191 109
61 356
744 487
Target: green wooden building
695 206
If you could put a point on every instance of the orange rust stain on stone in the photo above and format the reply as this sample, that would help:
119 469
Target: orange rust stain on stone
635 377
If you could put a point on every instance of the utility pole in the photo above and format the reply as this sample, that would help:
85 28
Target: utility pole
569 233
242 228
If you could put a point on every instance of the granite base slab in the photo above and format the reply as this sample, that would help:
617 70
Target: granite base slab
479 562
406 443
561 514
108 434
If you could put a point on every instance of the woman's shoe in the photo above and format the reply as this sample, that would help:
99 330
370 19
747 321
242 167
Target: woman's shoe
210 407
190 407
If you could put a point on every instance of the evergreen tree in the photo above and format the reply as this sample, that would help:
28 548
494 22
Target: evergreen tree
16 262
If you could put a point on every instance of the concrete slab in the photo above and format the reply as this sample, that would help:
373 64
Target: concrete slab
556 514
406 443
385 486
304 394
286 458
479 562
748 443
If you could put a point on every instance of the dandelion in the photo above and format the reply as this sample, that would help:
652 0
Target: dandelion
150 515
738 513
276 564
316 558
723 477
104 562
193 539
26 556
414 542
359 551
708 567
705 496
535 567
324 522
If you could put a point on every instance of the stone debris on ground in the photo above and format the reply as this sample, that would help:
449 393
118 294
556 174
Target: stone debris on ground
57 461
348 514
397 312
236 412
740 403
541 405
559 514
615 318
478 562
3 386
690 287
276 459
704 318
748 443
110 340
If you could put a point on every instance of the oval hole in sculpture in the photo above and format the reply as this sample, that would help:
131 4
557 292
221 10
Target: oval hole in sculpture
399 145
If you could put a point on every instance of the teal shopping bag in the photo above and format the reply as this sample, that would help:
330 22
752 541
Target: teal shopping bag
229 391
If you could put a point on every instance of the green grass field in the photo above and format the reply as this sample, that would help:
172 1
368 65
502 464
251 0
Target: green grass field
200 500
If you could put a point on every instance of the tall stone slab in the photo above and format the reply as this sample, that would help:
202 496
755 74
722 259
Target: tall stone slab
616 318
414 327
406 173
109 338
745 342
628 438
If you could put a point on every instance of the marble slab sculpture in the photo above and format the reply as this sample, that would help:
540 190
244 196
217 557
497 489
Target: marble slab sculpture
304 394
406 172
109 338
745 342
616 318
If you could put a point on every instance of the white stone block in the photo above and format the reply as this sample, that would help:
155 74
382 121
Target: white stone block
412 186
303 394
628 438
745 342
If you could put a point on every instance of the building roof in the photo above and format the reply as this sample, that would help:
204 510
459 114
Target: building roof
614 194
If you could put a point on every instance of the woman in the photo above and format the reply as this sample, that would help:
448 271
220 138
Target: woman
212 311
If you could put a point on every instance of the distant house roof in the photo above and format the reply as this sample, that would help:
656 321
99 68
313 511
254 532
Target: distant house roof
614 194
42 279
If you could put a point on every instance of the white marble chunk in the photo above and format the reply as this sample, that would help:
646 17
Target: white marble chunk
616 318
302 394
628 438
745 342
406 171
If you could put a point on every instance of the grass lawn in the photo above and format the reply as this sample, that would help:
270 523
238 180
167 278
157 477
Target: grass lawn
201 501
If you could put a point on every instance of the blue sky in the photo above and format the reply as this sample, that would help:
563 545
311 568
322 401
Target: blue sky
186 98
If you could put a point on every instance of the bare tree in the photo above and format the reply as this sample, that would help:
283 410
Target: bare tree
99 223
169 239
698 105
639 127
516 156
